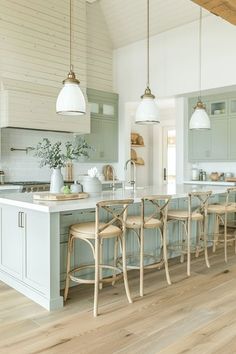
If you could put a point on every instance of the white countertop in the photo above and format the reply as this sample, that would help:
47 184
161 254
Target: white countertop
25 200
211 183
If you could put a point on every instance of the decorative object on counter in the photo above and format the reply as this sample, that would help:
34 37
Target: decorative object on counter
71 100
214 176
59 196
65 190
55 156
230 179
76 187
2 177
199 118
108 172
147 111
195 174
202 175
228 174
69 171
91 183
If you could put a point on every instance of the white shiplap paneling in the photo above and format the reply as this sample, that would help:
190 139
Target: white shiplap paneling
34 40
99 50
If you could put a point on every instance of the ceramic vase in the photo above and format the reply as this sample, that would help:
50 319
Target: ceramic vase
56 181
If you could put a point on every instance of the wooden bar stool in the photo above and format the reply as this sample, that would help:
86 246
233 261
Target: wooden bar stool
94 233
156 220
198 214
221 212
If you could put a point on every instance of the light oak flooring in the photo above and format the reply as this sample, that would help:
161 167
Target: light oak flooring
193 315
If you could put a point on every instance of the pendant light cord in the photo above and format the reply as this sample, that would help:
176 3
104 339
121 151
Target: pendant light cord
148 44
71 66
200 54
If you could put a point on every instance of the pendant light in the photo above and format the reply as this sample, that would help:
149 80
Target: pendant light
200 119
147 111
70 100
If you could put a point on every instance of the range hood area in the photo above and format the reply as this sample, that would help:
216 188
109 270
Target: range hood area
29 108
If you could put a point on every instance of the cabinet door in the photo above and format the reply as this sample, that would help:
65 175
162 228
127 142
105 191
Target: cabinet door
104 139
210 145
219 139
36 239
232 140
199 145
11 241
104 126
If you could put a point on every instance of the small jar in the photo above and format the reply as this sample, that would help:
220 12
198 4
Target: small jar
76 187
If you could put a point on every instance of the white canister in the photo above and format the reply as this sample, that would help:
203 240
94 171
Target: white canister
76 187
91 185
195 174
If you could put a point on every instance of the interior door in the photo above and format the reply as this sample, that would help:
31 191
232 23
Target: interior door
169 154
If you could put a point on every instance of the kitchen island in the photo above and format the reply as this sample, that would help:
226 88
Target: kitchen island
34 237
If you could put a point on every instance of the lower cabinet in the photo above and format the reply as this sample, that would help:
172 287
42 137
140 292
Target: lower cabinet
23 236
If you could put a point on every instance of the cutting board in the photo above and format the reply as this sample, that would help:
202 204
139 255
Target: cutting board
230 179
59 196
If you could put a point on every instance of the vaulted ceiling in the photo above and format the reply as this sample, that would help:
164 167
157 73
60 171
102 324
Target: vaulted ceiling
126 19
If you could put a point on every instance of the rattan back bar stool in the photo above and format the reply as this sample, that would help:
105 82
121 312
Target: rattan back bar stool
157 219
222 212
93 233
196 212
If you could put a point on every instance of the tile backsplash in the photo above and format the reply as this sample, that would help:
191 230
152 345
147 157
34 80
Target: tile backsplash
19 166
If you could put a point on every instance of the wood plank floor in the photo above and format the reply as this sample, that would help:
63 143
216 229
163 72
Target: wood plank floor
193 315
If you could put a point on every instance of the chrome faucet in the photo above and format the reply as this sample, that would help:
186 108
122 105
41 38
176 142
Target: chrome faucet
132 176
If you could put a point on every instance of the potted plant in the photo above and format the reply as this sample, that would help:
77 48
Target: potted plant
57 155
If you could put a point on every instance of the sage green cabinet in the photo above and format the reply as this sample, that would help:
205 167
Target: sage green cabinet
210 145
217 143
104 126
23 237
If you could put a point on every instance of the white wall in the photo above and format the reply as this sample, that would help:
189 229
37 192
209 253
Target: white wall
174 66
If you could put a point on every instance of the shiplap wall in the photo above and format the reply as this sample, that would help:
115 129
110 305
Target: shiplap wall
99 50
34 41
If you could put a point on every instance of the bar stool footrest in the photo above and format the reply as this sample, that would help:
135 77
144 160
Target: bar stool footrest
110 279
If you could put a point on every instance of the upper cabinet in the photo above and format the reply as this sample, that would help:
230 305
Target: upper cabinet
104 126
217 143
31 110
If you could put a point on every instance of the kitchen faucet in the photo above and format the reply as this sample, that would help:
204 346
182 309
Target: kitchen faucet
133 176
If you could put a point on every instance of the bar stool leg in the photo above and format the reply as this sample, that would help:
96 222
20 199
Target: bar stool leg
100 262
115 259
123 243
188 246
69 250
225 238
96 278
205 228
165 255
216 232
182 241
141 260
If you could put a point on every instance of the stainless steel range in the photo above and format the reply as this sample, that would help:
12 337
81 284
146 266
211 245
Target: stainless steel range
32 186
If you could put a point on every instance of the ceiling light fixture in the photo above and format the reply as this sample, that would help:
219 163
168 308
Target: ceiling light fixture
199 118
147 111
70 100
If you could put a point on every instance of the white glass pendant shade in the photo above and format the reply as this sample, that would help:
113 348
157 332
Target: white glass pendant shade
71 100
200 119
147 112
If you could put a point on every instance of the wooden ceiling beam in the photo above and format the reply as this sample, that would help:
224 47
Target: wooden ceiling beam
223 8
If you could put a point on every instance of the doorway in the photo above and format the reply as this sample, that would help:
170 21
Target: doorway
169 154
